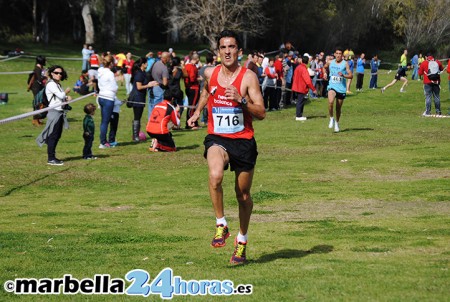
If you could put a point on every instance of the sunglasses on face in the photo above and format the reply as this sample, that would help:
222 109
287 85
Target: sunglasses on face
56 72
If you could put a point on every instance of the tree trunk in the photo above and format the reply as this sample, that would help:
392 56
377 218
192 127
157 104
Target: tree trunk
44 29
35 22
88 23
109 28
131 26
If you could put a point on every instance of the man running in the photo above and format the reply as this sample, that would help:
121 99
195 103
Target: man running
233 97
339 72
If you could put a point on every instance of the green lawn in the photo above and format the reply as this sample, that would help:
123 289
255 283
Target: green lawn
361 215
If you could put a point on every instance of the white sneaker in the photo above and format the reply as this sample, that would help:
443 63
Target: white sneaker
105 146
402 90
382 90
336 127
302 118
331 124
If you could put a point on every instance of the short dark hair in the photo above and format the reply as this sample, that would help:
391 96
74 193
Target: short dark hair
228 34
305 59
339 48
168 95
89 108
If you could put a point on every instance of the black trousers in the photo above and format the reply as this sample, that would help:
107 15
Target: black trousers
53 138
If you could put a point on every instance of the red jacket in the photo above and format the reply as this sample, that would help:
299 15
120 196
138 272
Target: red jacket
301 80
161 115
423 70
278 68
191 81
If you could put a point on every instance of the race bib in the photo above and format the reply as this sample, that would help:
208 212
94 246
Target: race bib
228 119
336 80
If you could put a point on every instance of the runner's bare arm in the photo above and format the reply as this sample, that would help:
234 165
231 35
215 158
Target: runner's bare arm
255 102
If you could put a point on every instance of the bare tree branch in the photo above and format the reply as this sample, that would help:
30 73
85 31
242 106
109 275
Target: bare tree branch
204 19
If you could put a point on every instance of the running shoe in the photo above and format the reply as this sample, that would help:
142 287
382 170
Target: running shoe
239 253
336 127
221 235
331 124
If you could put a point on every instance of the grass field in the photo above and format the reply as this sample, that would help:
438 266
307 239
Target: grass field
361 215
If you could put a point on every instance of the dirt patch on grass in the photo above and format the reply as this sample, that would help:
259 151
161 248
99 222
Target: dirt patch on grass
115 209
349 210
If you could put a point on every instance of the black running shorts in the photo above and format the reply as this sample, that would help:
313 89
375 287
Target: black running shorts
242 152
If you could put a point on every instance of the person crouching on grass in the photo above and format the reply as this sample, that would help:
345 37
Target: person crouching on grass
162 114
88 131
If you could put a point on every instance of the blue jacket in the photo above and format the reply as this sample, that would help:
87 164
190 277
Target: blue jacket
360 66
374 65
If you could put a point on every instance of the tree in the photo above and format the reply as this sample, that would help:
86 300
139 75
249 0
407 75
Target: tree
428 25
109 25
88 23
204 19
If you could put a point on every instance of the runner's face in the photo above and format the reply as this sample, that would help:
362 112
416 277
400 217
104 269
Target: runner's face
228 51
338 55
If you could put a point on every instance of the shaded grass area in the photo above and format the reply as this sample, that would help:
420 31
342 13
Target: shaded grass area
354 216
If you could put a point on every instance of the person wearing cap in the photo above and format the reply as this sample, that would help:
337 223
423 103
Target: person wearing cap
431 84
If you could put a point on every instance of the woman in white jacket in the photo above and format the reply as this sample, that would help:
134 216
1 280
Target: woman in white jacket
108 89
56 117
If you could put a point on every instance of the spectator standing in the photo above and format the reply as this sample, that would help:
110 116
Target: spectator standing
278 64
351 65
86 54
301 84
270 83
360 72
114 123
126 69
420 61
150 61
159 73
56 117
37 82
108 89
138 94
430 69
374 65
415 67
175 77
88 130
192 87
94 65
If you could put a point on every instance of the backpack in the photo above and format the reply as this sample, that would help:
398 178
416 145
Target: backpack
40 101
433 71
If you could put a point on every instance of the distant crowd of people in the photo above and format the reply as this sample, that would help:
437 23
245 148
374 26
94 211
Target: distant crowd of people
286 78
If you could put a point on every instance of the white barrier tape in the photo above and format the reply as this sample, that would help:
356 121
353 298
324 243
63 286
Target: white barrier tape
28 114
15 72
10 58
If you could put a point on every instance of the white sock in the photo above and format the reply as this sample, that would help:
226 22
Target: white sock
220 221
242 238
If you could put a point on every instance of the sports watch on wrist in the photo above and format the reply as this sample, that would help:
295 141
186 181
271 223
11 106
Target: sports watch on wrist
243 102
